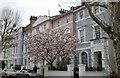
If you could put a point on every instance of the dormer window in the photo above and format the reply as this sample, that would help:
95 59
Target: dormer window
96 9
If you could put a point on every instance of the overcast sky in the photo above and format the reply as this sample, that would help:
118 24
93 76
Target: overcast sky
36 7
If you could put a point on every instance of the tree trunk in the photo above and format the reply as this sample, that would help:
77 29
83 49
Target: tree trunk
114 9
113 30
51 66
117 56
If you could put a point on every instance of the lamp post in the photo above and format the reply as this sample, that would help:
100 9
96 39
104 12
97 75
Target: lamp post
1 59
1 23
43 68
75 67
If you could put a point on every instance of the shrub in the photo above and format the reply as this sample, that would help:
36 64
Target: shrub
17 67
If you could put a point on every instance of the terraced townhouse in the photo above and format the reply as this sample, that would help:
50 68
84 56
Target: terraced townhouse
94 47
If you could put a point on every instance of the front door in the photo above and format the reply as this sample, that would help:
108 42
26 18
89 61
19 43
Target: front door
98 60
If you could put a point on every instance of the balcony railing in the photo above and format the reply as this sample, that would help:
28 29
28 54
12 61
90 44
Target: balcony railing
94 68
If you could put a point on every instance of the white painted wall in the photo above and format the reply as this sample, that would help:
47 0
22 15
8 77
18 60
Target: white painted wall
69 71
82 72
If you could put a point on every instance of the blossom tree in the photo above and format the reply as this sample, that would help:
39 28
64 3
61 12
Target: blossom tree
50 45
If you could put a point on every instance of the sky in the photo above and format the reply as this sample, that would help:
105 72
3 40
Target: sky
26 8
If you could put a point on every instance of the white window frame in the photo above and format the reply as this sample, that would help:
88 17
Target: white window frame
67 30
80 55
81 11
97 32
67 19
94 35
84 59
93 9
58 23
79 35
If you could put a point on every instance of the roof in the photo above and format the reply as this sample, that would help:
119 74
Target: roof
40 20
62 15
28 27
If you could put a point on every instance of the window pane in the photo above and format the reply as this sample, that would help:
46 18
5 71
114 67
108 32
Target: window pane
67 30
84 58
67 19
81 14
58 23
96 9
97 32
82 35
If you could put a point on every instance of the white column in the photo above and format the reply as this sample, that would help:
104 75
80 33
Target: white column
92 58
70 69
92 54
81 69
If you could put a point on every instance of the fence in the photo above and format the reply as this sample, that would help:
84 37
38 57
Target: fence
70 71
83 72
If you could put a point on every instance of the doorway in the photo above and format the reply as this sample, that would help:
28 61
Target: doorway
98 60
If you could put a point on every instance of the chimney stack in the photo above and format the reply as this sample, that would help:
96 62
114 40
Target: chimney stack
33 19
62 11
83 2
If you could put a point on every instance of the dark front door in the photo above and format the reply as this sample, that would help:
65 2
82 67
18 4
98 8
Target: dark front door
99 61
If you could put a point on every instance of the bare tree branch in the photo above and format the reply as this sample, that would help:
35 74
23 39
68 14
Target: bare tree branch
99 4
10 20
101 23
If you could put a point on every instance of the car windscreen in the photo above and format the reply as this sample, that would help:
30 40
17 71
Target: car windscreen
29 70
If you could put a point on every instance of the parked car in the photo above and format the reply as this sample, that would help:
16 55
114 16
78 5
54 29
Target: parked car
8 73
27 73
1 72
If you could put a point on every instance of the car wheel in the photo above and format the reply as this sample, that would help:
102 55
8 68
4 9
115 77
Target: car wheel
27 76
38 77
17 76
2 77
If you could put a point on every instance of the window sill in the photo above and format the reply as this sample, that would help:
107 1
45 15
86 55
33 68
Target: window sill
99 38
83 42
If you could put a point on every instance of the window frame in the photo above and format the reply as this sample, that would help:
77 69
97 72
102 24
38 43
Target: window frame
81 14
84 59
79 35
67 30
58 23
67 19
97 32
96 9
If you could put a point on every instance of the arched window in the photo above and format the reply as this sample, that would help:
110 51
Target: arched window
84 58
67 30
